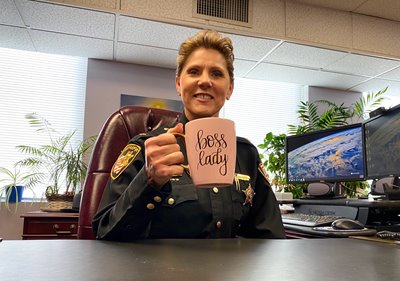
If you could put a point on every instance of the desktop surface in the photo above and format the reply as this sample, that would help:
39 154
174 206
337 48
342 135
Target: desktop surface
352 202
205 260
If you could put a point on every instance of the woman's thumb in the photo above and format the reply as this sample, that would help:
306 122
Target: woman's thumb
177 129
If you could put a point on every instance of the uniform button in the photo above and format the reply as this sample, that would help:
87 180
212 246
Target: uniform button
215 189
219 224
157 199
171 201
150 206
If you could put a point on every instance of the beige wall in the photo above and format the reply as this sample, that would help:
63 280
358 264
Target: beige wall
279 19
347 98
107 80
11 223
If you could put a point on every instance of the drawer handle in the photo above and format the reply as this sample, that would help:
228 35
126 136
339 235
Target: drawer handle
56 228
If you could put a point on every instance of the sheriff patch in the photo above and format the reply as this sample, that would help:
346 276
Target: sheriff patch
125 158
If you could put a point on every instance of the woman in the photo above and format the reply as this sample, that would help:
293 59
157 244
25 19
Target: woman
149 195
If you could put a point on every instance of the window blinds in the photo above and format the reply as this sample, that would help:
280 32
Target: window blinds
259 107
53 86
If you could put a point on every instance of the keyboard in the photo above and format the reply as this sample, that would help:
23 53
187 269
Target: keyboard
308 220
390 235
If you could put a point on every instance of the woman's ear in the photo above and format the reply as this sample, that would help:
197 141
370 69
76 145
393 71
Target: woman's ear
230 91
178 85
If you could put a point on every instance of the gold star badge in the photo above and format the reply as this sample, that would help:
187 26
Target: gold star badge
124 159
249 192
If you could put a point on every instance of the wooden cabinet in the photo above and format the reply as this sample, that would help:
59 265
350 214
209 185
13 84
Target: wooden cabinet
50 225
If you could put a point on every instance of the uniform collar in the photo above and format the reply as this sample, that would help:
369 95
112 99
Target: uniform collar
183 119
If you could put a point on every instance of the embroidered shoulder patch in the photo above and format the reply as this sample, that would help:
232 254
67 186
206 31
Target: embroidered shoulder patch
262 170
124 159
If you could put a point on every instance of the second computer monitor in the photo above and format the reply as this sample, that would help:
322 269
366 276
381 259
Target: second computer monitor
333 155
382 141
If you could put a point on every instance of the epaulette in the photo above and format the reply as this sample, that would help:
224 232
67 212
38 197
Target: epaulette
153 133
244 140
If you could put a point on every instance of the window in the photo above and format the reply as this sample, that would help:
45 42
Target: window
53 86
259 107
390 101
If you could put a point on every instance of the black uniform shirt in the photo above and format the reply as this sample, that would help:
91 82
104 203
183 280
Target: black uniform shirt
131 209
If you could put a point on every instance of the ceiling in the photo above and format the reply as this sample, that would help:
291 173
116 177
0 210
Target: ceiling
54 28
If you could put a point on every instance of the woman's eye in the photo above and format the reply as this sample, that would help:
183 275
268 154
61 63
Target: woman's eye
193 71
217 74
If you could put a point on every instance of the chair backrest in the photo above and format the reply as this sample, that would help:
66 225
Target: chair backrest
119 128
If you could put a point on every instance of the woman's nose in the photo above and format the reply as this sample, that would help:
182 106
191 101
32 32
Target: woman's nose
204 81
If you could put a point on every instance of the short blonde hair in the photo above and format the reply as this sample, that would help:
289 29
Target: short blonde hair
209 39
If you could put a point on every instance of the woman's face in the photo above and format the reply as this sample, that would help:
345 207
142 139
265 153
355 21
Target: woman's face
204 84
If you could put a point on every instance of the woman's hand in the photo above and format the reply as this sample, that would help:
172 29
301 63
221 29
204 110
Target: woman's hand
163 156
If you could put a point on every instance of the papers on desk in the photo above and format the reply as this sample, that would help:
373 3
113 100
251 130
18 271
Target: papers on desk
286 208
376 239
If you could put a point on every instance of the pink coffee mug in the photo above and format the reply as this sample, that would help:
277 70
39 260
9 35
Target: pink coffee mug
211 151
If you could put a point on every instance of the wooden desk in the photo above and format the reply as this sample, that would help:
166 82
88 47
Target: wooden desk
199 260
50 225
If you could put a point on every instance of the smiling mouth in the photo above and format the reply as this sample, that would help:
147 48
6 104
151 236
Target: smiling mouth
203 96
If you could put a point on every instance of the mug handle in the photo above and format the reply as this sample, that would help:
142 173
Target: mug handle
184 166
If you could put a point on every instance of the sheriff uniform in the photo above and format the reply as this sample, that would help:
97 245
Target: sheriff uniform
132 209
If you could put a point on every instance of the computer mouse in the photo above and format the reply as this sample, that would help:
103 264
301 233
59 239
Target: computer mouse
347 224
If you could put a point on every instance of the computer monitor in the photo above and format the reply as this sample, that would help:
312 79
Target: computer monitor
335 155
382 144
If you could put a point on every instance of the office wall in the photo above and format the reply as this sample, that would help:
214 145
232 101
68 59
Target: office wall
107 80
11 223
347 98
337 96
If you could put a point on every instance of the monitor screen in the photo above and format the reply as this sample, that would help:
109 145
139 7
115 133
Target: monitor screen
382 144
333 155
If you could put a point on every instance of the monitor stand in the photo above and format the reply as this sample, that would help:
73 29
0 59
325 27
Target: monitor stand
322 190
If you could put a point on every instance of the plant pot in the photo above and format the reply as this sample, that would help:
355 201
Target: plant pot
15 194
58 202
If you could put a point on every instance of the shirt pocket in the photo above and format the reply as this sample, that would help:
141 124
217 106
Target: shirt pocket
239 209
181 194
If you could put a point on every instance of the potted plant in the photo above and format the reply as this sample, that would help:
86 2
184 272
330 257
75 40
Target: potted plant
59 164
13 181
273 155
